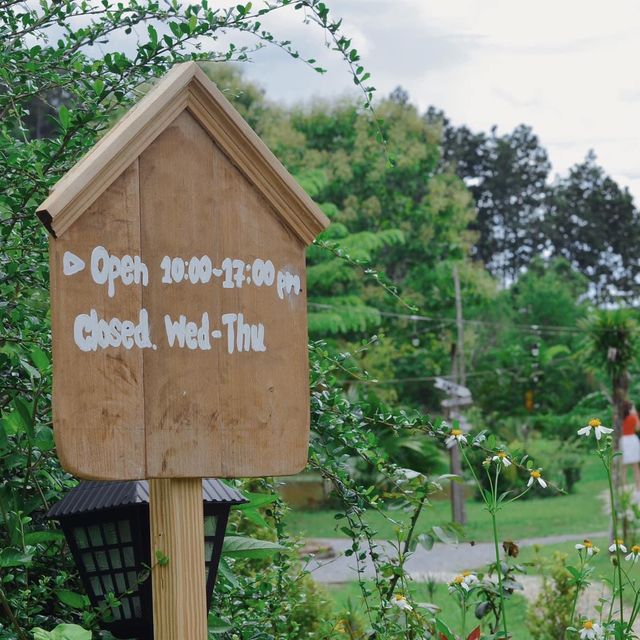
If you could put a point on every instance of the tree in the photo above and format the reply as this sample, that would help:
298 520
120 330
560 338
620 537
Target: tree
593 224
507 175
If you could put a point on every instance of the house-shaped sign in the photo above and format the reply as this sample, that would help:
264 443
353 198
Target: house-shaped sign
178 296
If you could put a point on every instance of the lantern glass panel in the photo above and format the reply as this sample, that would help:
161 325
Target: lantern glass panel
87 561
210 523
106 551
110 533
115 557
95 535
80 535
124 529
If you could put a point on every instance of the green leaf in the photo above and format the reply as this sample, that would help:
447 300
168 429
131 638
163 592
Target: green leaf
38 537
161 558
227 573
40 359
444 631
254 516
44 439
24 414
69 632
153 34
444 536
98 86
426 540
12 424
64 117
217 625
243 547
32 371
72 599
10 557
257 500
4 441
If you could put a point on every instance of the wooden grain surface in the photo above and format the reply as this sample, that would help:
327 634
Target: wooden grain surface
179 585
98 402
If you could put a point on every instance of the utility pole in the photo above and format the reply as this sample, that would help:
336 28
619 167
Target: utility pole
458 511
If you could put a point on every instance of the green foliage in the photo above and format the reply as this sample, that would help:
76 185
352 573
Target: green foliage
550 614
613 340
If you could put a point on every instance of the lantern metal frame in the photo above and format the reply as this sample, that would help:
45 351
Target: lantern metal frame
106 525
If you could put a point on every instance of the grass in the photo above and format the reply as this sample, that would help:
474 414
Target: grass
579 513
347 598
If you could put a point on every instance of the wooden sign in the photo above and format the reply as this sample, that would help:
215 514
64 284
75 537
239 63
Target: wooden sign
178 296
452 388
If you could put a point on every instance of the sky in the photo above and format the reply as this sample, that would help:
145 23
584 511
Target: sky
567 68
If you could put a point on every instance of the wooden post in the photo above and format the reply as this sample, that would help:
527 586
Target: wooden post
177 530
461 374
458 510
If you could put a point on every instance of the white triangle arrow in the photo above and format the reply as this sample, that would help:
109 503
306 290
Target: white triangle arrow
71 263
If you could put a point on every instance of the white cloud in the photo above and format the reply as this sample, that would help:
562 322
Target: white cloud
566 68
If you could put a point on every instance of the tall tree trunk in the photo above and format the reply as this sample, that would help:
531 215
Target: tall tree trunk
620 387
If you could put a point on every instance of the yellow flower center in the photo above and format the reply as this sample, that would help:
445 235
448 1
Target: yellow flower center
458 579
466 573
502 454
588 544
399 597
587 624
535 474
456 432
618 541
635 549
593 423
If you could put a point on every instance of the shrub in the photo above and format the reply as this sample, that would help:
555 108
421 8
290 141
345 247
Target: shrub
550 613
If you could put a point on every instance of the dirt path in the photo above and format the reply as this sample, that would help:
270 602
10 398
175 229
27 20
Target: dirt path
331 565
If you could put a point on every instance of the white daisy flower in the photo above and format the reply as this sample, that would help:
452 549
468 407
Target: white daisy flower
588 547
465 581
400 601
591 631
469 578
618 544
501 456
596 426
634 556
536 476
455 437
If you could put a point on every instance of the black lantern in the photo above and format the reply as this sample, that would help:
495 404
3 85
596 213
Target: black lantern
106 525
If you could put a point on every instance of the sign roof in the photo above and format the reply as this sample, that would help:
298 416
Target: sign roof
185 87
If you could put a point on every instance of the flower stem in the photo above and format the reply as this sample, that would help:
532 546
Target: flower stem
577 593
464 616
499 569
614 520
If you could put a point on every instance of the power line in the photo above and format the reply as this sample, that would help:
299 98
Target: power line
422 318
472 374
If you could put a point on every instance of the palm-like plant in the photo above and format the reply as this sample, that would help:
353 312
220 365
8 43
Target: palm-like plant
613 346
